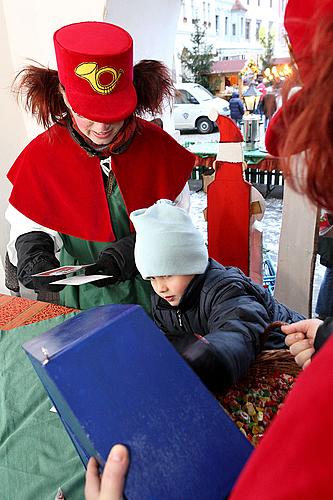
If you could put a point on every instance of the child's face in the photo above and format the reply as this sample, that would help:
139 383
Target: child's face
171 288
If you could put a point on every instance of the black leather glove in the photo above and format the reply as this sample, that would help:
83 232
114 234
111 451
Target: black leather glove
35 254
116 260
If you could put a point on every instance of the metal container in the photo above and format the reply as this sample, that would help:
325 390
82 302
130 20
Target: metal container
251 131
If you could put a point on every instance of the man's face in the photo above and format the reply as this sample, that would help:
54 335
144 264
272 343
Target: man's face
171 288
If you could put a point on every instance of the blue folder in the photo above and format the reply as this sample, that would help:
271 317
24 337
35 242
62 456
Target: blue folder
114 378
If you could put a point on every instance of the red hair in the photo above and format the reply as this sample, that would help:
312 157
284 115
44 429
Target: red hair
39 89
310 127
153 85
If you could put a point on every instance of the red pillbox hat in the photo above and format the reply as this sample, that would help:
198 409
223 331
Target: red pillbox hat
95 66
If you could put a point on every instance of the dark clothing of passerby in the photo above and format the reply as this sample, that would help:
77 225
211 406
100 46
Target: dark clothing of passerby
324 332
324 306
236 108
269 106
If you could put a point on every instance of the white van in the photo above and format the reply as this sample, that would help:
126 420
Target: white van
191 107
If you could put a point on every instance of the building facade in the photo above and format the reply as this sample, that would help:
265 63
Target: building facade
232 28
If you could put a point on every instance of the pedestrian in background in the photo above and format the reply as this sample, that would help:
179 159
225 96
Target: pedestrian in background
269 105
236 108
261 87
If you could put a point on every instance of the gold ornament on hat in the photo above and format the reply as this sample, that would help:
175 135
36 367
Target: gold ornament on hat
89 71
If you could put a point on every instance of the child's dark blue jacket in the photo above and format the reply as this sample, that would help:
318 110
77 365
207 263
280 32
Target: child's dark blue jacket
231 312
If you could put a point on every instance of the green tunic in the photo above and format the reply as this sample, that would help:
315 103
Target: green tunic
76 251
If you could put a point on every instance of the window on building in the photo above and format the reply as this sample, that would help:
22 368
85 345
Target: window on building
258 3
248 2
233 29
242 26
271 3
183 7
258 24
217 24
247 29
226 25
270 26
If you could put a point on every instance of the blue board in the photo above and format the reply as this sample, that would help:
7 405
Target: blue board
115 378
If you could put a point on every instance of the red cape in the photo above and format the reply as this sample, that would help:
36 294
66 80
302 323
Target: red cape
56 183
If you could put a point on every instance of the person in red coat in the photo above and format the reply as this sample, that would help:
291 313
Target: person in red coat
75 184
294 459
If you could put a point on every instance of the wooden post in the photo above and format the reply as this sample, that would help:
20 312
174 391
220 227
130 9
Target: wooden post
297 252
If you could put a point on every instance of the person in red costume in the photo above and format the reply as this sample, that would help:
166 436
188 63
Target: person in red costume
75 184
294 458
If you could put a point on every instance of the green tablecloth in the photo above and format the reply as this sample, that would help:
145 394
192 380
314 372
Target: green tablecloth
36 453
204 149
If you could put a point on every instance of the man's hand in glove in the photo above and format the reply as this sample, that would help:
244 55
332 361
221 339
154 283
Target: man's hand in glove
35 254
43 283
106 264
117 260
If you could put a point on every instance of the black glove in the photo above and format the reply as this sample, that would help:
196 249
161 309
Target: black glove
106 264
116 260
43 283
35 254
204 361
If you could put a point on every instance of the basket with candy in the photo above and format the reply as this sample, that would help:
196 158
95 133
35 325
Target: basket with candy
253 401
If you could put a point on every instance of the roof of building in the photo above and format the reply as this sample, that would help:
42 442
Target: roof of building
281 60
238 6
228 66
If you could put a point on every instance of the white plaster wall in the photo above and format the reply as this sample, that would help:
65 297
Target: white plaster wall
28 34
26 30
153 26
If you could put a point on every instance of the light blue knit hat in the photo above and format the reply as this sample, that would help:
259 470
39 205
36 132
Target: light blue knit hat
167 243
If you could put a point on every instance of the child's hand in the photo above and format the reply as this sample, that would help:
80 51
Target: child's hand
111 485
300 339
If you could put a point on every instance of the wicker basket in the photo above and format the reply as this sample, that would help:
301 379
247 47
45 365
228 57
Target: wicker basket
269 362
257 397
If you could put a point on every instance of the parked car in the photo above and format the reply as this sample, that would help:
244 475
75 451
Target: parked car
191 107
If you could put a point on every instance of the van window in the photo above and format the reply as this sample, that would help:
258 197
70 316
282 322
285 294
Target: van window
202 93
184 97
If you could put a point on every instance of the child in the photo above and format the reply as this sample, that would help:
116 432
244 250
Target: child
213 315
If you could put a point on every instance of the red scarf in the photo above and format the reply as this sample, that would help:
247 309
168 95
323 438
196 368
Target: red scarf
118 144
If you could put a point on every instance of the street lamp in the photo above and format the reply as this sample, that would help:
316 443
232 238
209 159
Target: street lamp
251 131
251 98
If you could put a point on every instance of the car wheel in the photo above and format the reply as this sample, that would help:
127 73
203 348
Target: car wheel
205 126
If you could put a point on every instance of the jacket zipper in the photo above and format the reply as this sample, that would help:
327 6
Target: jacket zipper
179 317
